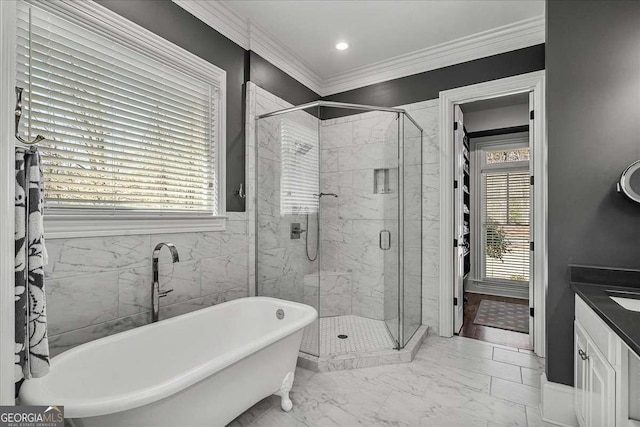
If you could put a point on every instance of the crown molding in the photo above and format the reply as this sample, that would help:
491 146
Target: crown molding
279 55
250 36
219 17
497 40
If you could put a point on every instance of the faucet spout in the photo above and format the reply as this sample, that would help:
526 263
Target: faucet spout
174 251
155 285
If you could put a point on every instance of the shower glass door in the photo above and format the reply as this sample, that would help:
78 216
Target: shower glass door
411 228
387 184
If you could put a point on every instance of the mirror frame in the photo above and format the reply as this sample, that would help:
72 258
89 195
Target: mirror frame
624 186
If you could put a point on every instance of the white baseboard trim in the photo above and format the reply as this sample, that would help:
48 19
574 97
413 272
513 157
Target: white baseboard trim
556 403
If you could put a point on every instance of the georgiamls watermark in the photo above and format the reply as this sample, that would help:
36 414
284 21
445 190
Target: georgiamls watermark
31 416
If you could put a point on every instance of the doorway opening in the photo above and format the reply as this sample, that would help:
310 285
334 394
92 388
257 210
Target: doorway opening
492 220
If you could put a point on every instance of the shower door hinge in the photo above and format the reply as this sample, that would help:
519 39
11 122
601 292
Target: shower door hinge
531 115
455 184
455 243
531 179
455 301
530 246
455 125
531 311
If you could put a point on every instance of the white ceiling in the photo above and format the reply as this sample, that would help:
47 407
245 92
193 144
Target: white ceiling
376 30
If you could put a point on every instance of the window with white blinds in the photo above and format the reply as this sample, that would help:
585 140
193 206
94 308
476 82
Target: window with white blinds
125 131
300 172
506 208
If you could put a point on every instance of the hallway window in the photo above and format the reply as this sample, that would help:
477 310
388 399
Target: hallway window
505 213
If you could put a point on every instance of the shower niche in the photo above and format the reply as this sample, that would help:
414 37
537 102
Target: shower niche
381 181
351 188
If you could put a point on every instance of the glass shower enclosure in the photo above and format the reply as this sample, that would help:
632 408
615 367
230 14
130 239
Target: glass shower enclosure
338 222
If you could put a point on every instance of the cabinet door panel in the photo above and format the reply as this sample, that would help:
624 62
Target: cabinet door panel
601 389
580 374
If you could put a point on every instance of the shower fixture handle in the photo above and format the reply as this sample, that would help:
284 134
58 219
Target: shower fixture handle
164 293
296 230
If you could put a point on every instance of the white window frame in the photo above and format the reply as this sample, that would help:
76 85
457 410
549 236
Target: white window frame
478 166
68 223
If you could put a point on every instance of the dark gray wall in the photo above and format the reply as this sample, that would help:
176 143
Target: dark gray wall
427 85
593 116
271 78
173 23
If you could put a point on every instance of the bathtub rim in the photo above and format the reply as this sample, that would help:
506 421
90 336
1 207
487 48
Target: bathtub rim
36 392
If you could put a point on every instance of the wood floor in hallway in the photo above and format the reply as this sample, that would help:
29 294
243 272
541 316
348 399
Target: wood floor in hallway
487 333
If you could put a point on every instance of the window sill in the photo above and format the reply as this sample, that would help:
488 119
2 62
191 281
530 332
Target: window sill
67 226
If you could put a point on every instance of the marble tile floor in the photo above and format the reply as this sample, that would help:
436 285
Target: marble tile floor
452 382
363 335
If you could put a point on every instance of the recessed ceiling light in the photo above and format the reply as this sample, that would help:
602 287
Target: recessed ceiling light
342 46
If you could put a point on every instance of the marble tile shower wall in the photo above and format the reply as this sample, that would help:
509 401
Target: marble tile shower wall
351 151
339 134
98 286
282 262
358 220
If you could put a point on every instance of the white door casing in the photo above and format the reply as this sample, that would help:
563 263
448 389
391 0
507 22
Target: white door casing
532 326
530 82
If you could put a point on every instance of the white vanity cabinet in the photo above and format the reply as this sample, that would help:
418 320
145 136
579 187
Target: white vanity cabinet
604 370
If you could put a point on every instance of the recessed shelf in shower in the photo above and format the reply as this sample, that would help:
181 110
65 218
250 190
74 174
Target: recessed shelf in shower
381 181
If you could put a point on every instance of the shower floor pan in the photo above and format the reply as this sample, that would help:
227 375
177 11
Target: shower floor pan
350 342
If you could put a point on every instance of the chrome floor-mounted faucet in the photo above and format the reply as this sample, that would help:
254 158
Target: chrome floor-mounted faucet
155 286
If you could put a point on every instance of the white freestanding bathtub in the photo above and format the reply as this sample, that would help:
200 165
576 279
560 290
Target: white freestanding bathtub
200 369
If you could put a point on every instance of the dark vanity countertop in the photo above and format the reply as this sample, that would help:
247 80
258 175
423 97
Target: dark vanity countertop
625 323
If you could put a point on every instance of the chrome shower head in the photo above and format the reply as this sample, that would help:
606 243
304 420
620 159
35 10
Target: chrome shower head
302 148
326 194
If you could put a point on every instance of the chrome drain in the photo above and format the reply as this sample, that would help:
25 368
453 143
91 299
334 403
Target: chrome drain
343 336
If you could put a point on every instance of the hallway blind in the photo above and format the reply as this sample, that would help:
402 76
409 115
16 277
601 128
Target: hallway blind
124 131
506 225
300 175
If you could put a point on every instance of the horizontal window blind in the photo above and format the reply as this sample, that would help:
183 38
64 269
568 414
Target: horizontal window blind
506 208
299 184
123 131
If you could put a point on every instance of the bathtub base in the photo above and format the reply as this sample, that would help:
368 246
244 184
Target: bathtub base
339 362
220 398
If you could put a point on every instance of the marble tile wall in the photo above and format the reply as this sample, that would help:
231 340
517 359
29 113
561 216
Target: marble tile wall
330 291
352 149
369 127
427 114
98 286
282 262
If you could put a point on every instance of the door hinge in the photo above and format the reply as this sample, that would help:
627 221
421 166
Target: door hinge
455 184
455 125
531 311
455 243
530 246
455 301
531 179
531 115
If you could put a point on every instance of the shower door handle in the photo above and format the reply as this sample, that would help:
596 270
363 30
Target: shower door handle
385 240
